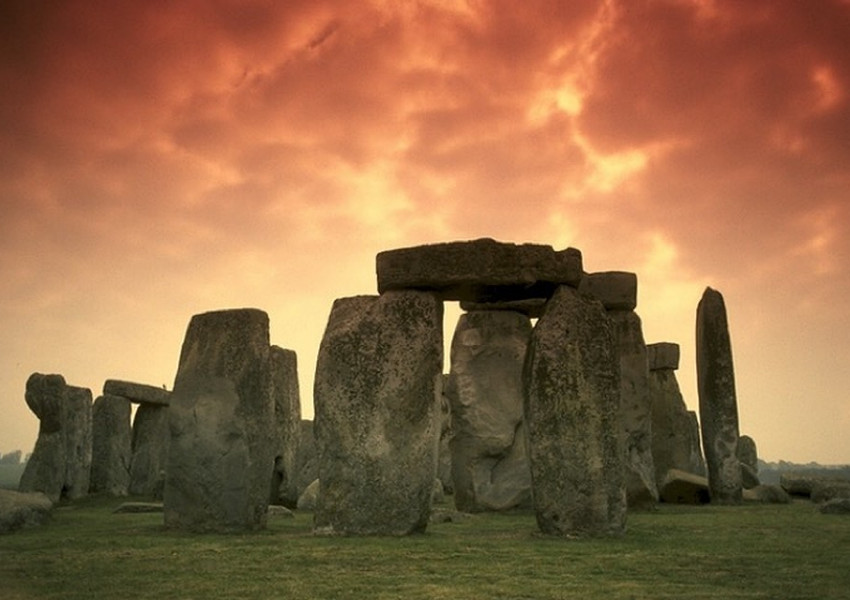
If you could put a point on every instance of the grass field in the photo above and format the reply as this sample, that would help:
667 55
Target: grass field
752 551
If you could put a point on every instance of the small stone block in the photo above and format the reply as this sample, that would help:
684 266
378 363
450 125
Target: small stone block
617 290
137 393
663 355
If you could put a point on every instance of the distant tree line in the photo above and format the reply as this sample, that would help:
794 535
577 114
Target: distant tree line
770 472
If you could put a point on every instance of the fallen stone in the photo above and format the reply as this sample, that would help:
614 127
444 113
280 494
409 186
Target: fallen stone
837 506
717 400
766 494
481 270
139 507
280 512
662 355
617 290
221 420
442 515
802 484
138 393
490 468
377 413
111 446
19 510
287 415
572 414
824 491
679 487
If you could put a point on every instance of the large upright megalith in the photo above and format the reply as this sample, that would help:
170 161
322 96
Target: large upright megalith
377 403
675 432
60 464
111 446
572 388
489 459
617 290
221 452
718 406
287 421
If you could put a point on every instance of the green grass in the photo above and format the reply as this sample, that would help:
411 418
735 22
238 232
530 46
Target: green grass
752 551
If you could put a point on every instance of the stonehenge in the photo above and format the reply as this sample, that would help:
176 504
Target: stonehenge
553 401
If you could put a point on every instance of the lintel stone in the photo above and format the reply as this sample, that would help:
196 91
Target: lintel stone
617 290
137 393
482 270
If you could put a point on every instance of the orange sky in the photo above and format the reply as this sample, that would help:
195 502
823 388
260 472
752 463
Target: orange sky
162 159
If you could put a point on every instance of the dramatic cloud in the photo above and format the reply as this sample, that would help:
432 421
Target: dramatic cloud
158 160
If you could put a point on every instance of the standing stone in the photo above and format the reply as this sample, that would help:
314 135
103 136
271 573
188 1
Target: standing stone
287 416
45 469
60 465
377 401
151 438
111 446
675 432
572 403
617 290
221 421
444 453
718 407
489 461
306 461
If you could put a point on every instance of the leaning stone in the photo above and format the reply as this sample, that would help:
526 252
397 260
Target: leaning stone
531 307
287 418
717 400
826 490
767 494
139 507
572 414
617 290
749 476
377 404
481 270
747 452
308 498
138 393
111 446
19 510
489 460
679 487
149 450
635 408
662 355
837 506
221 419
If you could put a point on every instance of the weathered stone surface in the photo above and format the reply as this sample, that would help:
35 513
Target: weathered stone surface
635 408
138 393
675 441
307 459
747 454
749 477
838 506
530 307
308 498
279 511
377 402
798 484
767 494
444 452
490 468
572 414
221 420
662 355
60 465
287 413
826 490
718 404
443 515
19 510
151 438
111 446
481 270
679 487
45 470
616 290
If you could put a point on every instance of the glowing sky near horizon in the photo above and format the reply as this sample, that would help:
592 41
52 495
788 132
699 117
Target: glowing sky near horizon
159 160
